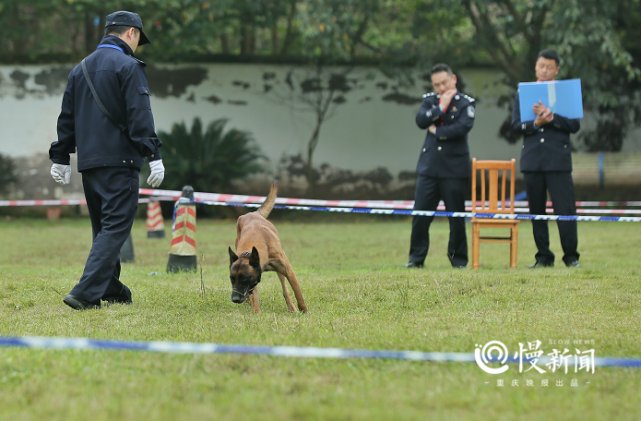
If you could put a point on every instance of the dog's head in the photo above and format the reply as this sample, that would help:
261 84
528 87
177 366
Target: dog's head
244 273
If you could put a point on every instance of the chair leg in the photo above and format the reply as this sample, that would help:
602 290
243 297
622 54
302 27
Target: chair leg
476 233
514 245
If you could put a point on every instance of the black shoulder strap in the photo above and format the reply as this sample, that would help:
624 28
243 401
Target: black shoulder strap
97 98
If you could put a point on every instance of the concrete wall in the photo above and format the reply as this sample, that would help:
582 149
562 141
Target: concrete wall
372 125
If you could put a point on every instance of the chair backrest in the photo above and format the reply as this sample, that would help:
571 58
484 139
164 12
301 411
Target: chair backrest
490 177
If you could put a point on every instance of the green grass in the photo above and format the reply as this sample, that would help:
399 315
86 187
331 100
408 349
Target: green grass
359 296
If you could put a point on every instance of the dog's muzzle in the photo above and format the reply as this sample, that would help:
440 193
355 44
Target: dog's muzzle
238 297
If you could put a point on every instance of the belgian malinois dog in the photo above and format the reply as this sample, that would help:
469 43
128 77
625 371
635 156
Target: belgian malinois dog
259 250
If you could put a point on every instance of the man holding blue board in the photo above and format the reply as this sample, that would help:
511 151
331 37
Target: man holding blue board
546 113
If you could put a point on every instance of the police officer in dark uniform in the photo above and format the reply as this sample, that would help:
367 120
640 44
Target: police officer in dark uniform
109 123
443 169
546 163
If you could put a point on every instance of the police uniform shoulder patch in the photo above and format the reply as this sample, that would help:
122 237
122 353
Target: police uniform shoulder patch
470 111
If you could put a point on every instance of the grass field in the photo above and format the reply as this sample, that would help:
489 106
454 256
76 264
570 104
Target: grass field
359 296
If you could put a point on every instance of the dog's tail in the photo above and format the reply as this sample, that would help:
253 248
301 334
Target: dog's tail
267 206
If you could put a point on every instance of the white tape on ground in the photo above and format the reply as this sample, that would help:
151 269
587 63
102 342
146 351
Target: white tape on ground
275 351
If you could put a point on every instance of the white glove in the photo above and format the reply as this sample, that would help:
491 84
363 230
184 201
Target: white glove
157 173
61 173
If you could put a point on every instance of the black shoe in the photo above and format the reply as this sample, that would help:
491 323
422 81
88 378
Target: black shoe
457 262
572 263
78 304
118 300
123 298
414 265
539 265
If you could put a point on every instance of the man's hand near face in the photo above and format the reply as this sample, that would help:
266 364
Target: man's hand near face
446 98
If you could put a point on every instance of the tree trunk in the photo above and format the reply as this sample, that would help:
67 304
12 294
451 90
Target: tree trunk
224 44
90 42
274 33
289 32
247 35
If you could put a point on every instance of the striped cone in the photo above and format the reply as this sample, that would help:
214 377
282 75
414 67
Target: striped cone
155 222
182 254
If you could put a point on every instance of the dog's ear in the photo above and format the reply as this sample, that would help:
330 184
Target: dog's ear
254 260
232 256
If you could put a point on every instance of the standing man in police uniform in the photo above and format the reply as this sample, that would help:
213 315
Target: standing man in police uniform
106 118
546 164
443 169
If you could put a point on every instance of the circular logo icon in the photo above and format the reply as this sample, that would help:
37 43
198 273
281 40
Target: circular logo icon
492 352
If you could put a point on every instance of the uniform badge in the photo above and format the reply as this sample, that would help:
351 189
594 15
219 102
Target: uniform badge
470 111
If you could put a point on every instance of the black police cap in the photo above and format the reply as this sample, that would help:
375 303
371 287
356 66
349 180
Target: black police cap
125 18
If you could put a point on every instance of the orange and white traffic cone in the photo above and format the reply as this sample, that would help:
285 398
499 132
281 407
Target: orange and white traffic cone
182 254
155 222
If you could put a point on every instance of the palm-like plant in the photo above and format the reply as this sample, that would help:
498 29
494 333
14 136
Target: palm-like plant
8 176
211 160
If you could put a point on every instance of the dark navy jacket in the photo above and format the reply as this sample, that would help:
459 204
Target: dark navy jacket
446 154
121 83
547 148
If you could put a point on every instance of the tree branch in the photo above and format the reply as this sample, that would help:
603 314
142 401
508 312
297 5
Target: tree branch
486 30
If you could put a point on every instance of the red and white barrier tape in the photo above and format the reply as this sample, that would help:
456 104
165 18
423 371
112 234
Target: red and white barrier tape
172 195
52 202
389 204
238 198
11 203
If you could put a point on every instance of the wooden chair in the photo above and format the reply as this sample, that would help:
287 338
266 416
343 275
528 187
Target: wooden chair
491 180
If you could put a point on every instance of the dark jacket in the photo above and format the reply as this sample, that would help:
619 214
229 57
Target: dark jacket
120 81
547 148
445 154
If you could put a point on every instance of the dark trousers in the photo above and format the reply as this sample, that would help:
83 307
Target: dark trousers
561 189
112 199
429 191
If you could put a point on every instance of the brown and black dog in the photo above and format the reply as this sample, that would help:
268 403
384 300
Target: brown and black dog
259 250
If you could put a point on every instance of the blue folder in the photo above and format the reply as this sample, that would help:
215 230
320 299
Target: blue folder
562 96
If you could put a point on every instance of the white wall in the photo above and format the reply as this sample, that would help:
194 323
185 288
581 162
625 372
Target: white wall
361 135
